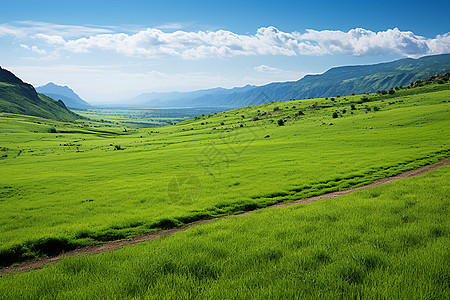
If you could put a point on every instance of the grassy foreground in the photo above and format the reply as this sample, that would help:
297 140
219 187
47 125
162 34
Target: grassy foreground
69 184
386 242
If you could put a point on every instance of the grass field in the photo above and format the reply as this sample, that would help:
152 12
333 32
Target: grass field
144 118
77 183
385 242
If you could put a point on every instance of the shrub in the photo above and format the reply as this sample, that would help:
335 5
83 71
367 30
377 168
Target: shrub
300 113
52 130
335 115
280 122
353 107
276 108
391 92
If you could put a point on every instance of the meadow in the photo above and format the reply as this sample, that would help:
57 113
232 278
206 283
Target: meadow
144 118
385 242
68 184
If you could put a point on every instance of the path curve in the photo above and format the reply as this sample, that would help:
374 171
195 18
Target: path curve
114 245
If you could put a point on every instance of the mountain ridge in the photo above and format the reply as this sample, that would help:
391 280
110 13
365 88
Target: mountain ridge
342 80
64 93
18 97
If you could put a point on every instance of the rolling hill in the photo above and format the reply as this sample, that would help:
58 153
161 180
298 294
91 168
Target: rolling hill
64 93
336 81
93 182
18 97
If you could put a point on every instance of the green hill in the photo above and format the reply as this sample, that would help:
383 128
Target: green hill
361 79
21 98
107 183
345 80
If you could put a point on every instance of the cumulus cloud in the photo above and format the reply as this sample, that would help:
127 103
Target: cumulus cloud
34 49
154 42
264 68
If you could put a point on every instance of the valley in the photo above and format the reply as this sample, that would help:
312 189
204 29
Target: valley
155 203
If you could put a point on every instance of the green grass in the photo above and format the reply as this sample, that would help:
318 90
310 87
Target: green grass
66 184
386 242
143 118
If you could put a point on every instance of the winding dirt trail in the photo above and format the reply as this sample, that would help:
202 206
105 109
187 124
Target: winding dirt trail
114 245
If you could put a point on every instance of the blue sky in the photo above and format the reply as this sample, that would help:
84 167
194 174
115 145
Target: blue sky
110 51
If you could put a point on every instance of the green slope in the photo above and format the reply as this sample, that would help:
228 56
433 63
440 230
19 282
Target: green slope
21 98
337 81
107 185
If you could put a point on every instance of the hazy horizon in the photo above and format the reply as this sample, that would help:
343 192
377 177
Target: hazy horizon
109 53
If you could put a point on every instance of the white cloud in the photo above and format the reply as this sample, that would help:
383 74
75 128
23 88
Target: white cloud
34 49
154 42
264 68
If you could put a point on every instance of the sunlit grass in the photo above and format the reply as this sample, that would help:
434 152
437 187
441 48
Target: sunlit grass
88 182
390 241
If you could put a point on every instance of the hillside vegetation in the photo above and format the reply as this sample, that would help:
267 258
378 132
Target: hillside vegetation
345 80
18 97
108 182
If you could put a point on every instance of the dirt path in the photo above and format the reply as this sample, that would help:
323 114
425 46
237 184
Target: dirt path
114 245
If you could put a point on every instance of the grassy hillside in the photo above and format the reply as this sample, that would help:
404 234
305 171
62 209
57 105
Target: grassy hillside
337 81
386 242
110 182
18 97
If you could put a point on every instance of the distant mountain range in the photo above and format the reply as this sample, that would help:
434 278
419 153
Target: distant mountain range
166 99
336 81
64 93
21 98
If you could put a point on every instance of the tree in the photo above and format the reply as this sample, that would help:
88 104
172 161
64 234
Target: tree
335 115
280 122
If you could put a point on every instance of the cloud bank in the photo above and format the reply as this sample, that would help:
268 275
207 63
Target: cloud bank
154 42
